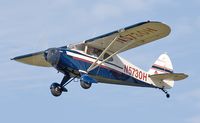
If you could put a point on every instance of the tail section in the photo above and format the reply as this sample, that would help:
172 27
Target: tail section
162 65
162 75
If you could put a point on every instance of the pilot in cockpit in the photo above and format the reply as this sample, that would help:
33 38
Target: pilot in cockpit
94 51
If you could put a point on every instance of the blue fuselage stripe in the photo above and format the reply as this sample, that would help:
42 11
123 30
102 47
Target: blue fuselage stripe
72 62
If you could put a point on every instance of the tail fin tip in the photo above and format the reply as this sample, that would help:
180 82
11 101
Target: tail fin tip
162 65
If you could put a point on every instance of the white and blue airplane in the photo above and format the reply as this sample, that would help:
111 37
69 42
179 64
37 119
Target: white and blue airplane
97 61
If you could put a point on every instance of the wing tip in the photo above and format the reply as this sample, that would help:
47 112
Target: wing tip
185 75
27 55
18 57
15 58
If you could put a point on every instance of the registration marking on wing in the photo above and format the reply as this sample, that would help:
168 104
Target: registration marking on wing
136 34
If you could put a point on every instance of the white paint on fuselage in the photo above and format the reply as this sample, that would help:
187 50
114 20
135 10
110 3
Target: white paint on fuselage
118 61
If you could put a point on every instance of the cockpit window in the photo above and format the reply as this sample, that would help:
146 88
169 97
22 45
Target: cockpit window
97 52
94 51
106 55
90 51
80 47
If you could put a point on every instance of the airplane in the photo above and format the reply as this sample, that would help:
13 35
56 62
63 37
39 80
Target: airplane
96 60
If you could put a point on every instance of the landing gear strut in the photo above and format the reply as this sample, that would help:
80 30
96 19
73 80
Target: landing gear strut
165 91
57 89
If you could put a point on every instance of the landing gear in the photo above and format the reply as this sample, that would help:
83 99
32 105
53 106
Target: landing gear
85 85
57 89
167 94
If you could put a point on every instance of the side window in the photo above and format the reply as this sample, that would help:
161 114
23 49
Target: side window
97 52
94 51
106 55
91 51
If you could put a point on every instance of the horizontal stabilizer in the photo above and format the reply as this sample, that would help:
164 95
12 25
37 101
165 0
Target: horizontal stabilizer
169 76
36 59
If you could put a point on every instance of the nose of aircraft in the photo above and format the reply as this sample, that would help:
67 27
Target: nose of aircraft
52 56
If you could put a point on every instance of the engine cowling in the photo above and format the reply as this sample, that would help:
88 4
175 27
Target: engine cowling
86 81
52 56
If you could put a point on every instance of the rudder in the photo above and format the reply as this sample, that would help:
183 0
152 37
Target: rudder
162 65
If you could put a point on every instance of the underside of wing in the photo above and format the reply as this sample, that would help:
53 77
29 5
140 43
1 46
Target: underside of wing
169 76
36 59
134 36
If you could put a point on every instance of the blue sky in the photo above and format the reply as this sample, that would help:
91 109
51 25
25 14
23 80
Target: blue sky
34 25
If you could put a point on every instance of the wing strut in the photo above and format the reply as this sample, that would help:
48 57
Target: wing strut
95 64
104 51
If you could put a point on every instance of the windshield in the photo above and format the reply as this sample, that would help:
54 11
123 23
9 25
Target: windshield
90 51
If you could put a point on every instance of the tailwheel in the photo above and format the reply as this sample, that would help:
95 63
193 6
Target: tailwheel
168 95
165 91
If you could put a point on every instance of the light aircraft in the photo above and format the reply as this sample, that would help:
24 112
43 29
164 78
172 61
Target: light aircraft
97 61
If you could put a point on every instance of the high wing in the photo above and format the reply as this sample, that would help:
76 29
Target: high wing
112 43
130 37
36 59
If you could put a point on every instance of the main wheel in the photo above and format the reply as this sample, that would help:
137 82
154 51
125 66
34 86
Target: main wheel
56 89
85 85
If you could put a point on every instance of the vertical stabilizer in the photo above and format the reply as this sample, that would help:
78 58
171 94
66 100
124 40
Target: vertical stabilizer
162 65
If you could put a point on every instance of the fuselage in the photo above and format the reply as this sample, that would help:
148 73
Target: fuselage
114 71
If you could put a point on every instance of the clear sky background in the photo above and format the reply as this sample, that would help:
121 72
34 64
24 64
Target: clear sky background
32 25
